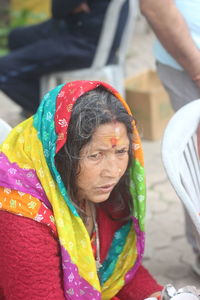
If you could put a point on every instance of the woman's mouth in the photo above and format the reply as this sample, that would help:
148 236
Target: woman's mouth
106 188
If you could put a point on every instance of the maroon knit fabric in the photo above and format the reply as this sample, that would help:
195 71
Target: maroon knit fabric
30 263
29 260
142 286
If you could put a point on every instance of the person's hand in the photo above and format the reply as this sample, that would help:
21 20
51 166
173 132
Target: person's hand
196 80
194 70
83 7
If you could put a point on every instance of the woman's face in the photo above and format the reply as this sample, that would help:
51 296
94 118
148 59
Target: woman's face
103 162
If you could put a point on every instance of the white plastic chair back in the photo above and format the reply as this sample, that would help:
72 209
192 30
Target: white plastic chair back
100 70
109 29
4 130
181 159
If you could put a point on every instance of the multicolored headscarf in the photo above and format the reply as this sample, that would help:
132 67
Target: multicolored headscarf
31 186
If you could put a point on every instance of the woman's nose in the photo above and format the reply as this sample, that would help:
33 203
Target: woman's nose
110 168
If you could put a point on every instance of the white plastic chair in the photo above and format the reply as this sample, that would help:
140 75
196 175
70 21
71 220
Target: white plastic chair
4 130
182 161
99 70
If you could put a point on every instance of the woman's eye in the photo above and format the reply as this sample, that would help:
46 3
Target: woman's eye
121 151
95 156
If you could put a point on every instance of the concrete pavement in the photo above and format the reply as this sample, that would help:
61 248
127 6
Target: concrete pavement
168 255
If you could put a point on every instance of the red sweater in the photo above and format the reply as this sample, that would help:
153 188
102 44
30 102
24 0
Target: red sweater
30 262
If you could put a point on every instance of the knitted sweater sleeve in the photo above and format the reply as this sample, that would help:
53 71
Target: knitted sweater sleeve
29 260
141 286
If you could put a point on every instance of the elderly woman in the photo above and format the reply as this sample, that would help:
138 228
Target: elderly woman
72 200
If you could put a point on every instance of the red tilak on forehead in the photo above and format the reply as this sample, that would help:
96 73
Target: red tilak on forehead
114 141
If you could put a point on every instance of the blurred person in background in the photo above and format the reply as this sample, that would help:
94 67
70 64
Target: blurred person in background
176 24
67 41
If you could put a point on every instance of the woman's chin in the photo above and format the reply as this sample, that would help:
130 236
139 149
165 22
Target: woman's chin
100 199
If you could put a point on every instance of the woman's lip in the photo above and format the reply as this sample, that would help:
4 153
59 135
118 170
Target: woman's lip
106 188
106 185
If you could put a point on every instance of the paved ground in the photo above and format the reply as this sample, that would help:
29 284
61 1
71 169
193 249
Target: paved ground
168 255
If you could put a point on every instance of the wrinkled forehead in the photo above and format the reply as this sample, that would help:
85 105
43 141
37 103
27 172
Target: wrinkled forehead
110 135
